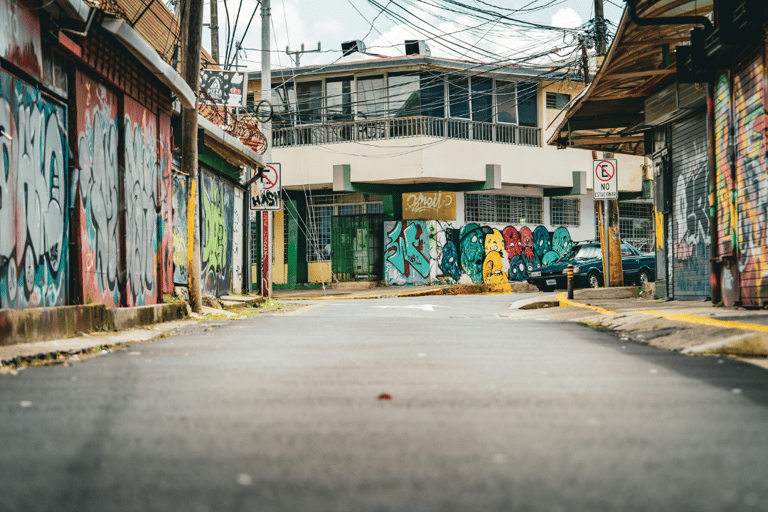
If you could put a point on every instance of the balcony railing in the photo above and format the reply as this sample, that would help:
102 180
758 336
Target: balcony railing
402 127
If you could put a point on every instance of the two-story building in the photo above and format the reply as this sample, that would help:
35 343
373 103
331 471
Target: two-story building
419 169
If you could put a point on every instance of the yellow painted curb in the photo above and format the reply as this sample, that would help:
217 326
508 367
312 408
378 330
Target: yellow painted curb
709 322
564 301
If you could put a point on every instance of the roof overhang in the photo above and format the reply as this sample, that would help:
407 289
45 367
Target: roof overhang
143 51
610 114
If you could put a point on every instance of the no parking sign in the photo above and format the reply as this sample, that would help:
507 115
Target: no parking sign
605 182
266 189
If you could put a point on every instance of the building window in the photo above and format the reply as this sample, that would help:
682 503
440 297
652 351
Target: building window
527 104
557 100
564 212
635 224
506 102
371 97
458 96
310 101
482 100
338 100
503 209
321 209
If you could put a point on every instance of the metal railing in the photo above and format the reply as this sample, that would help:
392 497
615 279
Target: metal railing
402 127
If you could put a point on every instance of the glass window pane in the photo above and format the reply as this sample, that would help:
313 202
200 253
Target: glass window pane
371 98
527 104
458 95
310 100
404 96
339 100
284 105
506 99
432 95
482 105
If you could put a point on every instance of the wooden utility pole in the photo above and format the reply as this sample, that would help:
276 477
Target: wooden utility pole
191 42
215 30
600 44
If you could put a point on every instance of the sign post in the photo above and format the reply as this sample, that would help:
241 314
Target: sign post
605 187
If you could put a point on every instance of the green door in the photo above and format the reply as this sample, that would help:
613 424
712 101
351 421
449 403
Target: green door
356 245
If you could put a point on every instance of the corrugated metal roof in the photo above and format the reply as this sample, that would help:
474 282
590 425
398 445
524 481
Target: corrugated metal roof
609 116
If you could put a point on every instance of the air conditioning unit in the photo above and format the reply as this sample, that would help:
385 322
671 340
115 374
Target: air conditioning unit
417 48
350 47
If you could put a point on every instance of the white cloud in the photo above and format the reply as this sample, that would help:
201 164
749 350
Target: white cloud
566 18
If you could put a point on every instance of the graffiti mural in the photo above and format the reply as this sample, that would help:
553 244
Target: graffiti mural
216 219
164 219
406 252
237 242
750 129
33 198
725 212
179 229
692 211
436 250
142 165
95 186
20 37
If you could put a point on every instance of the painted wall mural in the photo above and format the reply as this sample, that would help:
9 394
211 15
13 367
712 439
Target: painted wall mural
725 212
95 187
20 37
33 198
416 252
142 165
237 242
406 252
216 219
165 218
751 132
180 229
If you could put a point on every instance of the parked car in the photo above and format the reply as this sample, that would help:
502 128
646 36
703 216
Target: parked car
587 260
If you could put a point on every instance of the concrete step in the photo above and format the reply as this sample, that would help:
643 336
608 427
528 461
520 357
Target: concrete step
618 292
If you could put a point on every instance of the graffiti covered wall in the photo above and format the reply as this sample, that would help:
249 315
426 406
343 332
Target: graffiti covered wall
416 252
33 198
237 242
750 129
216 220
142 165
95 190
179 229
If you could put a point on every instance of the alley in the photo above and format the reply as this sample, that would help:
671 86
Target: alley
284 411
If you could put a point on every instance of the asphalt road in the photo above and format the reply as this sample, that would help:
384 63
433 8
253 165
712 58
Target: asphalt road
280 412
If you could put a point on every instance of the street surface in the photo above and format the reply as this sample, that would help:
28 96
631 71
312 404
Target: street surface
488 413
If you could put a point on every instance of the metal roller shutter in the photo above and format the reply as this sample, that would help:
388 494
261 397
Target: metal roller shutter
752 197
690 209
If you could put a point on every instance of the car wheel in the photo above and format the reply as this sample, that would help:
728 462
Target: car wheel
594 280
643 278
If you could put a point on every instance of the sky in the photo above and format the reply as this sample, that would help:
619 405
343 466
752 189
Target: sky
332 22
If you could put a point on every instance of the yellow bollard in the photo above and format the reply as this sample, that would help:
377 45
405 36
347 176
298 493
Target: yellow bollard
570 281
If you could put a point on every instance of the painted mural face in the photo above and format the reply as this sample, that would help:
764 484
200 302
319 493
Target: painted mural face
541 242
512 242
518 271
472 251
493 269
449 263
494 242
561 241
526 238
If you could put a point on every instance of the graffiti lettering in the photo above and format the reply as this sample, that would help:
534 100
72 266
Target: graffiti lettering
406 252
216 243
33 246
179 229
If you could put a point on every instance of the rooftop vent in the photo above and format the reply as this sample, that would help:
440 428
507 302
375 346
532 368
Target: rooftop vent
417 48
351 47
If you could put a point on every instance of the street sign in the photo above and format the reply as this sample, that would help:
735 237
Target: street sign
266 189
606 185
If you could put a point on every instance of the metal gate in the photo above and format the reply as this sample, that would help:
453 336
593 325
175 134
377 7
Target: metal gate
356 241
690 233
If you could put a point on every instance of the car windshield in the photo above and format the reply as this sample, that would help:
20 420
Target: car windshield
582 252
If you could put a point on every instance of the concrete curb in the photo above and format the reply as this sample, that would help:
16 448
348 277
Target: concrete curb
456 289
548 301
55 323
745 345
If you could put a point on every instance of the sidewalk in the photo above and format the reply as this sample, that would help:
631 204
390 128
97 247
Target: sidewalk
685 326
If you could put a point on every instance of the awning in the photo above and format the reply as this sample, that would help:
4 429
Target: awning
610 114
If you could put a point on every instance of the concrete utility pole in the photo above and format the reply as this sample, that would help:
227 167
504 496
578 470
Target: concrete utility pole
298 53
266 128
215 30
191 41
